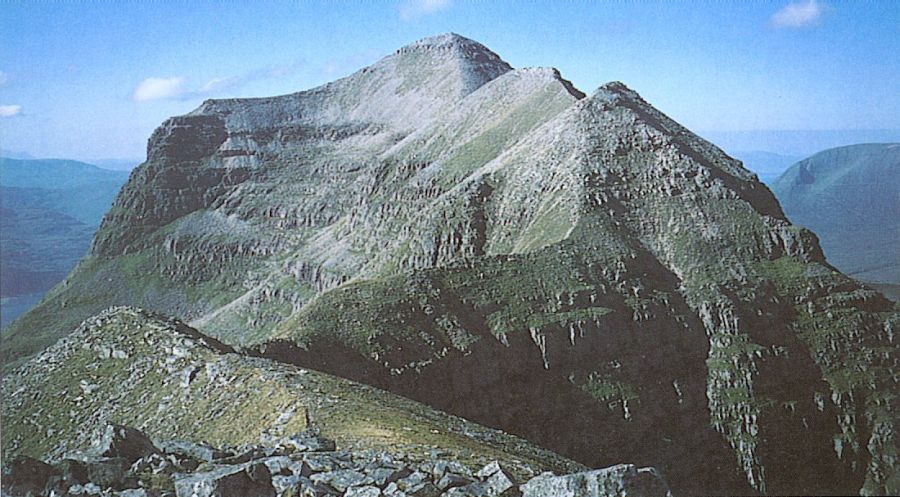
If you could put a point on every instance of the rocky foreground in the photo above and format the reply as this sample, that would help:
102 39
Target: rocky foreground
124 462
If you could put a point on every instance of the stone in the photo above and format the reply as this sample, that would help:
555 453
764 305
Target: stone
452 480
499 482
245 480
125 442
26 476
342 479
367 491
198 451
621 480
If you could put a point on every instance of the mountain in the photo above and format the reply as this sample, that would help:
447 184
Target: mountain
798 143
117 164
75 189
576 270
768 165
849 197
14 154
50 211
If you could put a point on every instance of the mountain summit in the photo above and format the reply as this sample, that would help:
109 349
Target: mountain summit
580 271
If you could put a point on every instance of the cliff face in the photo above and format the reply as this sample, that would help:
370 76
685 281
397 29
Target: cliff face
578 270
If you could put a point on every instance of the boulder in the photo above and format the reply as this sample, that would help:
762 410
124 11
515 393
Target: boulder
197 451
26 476
245 480
367 491
616 481
124 442
342 479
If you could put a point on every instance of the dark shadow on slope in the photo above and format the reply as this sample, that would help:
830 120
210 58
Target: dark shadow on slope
507 386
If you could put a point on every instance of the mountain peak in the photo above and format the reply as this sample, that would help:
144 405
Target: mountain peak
443 41
475 63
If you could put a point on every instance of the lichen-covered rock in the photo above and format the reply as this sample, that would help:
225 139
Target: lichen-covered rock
196 451
617 481
246 480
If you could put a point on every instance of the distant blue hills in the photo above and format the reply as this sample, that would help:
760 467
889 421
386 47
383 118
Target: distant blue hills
850 197
49 212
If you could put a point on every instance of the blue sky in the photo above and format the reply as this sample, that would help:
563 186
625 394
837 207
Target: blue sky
92 79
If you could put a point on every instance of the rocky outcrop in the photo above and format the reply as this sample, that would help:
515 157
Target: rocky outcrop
622 480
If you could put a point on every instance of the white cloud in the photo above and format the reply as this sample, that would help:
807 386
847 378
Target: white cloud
217 84
176 88
414 9
160 89
798 15
10 110
4 78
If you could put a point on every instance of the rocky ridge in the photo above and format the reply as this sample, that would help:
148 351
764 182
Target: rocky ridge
130 367
123 462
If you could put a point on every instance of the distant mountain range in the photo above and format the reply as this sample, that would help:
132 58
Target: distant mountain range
767 165
49 211
850 197
113 164
797 143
